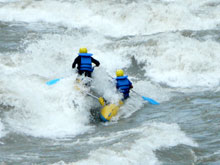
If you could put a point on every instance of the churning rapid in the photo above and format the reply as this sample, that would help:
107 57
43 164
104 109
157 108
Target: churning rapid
170 49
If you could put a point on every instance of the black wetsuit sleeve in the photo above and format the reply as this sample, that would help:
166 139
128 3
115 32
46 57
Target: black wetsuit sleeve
96 62
76 61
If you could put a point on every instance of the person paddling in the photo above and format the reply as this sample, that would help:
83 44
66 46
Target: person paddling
123 84
84 61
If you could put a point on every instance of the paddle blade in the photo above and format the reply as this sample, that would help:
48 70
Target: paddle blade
151 101
52 82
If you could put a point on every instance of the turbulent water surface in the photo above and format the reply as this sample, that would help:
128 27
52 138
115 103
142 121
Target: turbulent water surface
170 49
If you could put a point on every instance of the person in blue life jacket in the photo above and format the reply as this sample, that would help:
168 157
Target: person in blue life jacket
123 84
84 62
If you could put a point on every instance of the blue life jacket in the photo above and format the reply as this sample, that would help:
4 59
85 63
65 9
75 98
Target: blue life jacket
123 84
86 62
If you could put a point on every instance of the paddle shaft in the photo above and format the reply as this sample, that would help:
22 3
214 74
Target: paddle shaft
136 92
91 95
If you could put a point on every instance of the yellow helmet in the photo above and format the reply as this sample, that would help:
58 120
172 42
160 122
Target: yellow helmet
119 73
82 50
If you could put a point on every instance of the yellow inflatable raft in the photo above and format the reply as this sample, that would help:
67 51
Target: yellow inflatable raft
108 111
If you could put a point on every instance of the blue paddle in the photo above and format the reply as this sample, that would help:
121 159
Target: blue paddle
52 82
151 101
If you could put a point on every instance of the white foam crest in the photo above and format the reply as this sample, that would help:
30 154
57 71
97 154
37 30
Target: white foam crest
140 150
185 62
44 111
59 51
117 19
104 85
37 11
112 59
131 105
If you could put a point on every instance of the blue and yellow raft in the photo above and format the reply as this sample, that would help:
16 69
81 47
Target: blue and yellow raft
108 111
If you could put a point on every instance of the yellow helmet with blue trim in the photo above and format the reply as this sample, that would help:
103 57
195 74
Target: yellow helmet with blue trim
82 50
119 73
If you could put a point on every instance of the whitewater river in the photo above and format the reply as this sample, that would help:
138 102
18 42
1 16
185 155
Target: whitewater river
170 49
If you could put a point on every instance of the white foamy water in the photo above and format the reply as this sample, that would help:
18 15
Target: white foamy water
111 18
147 139
192 64
161 63
168 48
40 112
